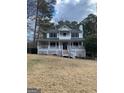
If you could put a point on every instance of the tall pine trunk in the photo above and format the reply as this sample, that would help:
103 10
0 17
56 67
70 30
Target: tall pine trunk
35 29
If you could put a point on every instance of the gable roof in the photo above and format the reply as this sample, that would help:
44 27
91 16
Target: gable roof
64 28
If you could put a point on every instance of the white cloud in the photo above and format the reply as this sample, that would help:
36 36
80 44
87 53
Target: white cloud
65 1
77 1
58 2
93 1
74 9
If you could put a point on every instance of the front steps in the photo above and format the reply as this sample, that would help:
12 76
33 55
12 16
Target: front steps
65 53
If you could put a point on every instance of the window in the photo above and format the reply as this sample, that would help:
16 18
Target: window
75 43
44 44
75 35
64 34
57 44
80 43
53 35
52 44
71 43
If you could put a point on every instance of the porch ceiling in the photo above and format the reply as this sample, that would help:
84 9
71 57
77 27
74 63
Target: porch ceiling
73 30
73 39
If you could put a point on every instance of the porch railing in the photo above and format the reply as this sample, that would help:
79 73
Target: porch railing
59 52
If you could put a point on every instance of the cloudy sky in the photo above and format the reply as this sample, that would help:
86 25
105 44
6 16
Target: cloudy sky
73 9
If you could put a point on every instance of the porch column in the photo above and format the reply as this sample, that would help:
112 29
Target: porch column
48 44
59 45
48 47
70 44
56 44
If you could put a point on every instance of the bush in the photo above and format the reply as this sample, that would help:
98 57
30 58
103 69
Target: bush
32 50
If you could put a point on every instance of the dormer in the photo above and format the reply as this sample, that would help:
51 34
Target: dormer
64 28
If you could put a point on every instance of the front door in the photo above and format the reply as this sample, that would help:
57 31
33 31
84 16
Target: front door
65 45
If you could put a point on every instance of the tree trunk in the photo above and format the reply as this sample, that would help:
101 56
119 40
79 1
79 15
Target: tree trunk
35 29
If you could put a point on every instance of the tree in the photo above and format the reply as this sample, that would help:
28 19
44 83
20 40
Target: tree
39 12
31 10
90 35
90 44
62 22
90 25
72 25
44 14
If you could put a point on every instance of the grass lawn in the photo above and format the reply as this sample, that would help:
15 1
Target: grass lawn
61 75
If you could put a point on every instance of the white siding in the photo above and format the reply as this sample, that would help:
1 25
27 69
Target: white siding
68 36
57 35
80 35
47 35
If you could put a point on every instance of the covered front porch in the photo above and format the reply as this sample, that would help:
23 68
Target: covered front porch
61 48
63 45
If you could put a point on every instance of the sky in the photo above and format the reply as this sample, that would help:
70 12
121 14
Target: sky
73 10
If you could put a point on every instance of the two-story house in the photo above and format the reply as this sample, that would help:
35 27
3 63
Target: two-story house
62 42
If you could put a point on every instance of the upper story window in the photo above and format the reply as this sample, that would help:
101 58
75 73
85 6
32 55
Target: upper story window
75 35
53 35
64 34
